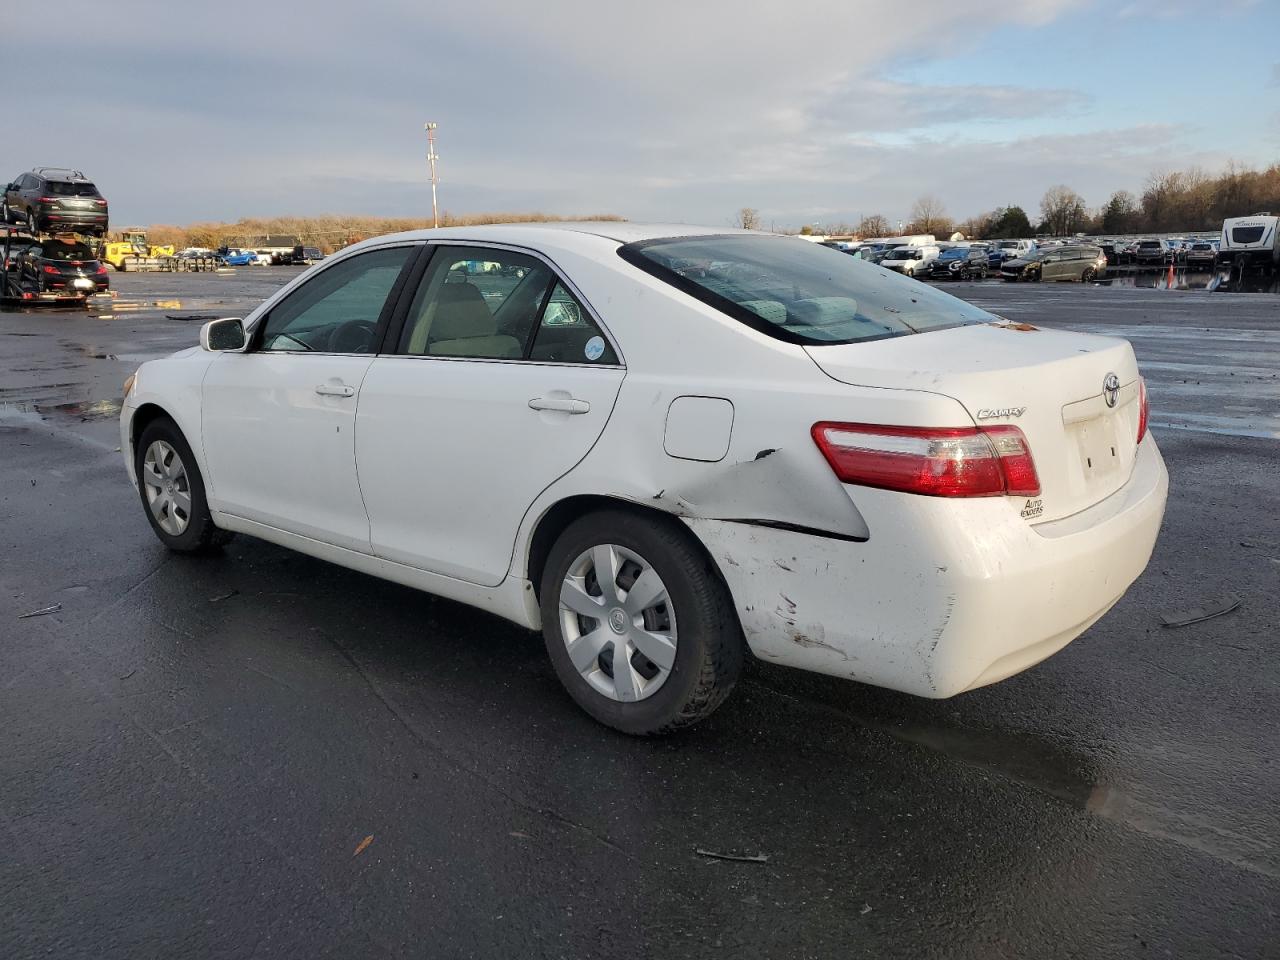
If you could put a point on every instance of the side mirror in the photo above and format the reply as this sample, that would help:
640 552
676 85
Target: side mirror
225 335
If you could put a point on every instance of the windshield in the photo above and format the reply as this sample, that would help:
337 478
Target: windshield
61 188
797 291
955 253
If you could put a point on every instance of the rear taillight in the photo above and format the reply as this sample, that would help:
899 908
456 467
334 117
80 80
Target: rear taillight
102 270
1144 408
47 200
932 461
53 270
99 201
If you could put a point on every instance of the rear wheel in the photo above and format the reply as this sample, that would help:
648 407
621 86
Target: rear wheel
172 490
638 624
1089 275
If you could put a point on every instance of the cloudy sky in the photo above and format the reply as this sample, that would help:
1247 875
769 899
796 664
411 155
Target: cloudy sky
677 110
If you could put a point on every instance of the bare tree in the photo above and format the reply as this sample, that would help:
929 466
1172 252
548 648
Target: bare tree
874 225
1063 211
928 215
748 219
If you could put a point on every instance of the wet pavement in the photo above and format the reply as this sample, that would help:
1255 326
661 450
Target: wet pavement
197 751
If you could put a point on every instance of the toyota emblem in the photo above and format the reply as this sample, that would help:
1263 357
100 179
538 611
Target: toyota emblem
1111 389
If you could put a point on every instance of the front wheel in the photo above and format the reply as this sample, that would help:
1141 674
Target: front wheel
639 626
1089 275
5 215
172 490
31 223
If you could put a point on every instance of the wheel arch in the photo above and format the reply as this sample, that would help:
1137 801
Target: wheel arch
143 417
556 519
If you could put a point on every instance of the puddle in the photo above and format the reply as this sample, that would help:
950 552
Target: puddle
1208 281
86 410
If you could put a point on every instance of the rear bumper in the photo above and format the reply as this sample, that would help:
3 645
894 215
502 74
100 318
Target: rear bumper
72 219
947 595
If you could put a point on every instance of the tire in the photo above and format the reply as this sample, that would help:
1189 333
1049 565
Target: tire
695 612
1089 275
198 533
32 225
5 215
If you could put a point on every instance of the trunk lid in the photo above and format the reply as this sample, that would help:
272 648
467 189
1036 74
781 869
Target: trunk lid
1050 384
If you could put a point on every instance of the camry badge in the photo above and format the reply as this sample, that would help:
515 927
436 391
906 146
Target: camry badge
988 413
1111 389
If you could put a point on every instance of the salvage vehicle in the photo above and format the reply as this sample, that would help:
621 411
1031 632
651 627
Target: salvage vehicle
1201 253
1152 252
911 260
55 199
958 263
1067 262
235 257
661 466
62 267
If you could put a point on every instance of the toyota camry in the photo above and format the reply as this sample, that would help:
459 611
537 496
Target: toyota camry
668 447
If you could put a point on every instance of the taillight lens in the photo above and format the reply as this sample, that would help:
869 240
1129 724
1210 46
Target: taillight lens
932 461
53 270
47 200
102 270
1144 408
99 201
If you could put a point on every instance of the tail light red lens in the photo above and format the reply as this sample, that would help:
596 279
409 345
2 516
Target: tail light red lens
1144 409
932 461
102 270
100 201
53 270
47 200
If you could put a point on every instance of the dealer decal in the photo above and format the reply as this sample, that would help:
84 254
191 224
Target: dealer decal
1033 508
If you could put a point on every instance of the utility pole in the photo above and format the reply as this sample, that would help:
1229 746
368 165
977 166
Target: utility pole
431 159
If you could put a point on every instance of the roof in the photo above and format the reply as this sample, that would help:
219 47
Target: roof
559 232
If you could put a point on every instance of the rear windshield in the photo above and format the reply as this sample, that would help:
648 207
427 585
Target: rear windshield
61 188
798 291
57 250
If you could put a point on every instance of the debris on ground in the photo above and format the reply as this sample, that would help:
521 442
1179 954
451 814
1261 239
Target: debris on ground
223 596
43 611
736 857
1215 608
364 845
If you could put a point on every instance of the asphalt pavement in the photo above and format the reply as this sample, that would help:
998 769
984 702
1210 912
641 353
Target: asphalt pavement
262 755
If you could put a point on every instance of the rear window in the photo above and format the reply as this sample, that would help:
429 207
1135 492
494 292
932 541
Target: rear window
797 291
58 250
1246 234
62 188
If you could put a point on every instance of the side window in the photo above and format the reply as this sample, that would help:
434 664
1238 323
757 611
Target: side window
476 302
567 334
337 311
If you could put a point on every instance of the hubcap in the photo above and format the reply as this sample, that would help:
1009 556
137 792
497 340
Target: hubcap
618 625
167 488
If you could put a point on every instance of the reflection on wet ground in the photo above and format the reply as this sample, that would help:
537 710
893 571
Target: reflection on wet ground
86 410
1185 279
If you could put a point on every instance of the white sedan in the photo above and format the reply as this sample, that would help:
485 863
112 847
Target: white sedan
664 447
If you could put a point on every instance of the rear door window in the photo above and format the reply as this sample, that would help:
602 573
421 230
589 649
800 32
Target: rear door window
567 334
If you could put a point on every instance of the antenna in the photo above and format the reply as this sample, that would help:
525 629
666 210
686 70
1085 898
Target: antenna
430 127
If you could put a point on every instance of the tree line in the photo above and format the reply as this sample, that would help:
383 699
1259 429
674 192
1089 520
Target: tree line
329 233
1181 201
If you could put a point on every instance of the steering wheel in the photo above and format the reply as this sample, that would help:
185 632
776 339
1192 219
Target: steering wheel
352 336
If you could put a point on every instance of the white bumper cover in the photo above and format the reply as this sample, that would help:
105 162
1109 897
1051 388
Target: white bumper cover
946 595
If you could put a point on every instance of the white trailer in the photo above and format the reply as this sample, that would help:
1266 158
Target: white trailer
1251 242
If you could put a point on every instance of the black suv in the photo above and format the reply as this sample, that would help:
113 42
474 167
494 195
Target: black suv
55 199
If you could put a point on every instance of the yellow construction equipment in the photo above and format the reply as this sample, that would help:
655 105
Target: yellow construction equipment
129 250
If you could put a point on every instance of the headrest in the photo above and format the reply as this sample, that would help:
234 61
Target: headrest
461 313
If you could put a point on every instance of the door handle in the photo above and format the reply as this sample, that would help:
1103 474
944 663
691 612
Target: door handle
335 390
560 404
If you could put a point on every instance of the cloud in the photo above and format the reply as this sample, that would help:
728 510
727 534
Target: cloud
665 109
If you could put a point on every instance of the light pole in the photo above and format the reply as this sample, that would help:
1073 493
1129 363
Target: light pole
431 159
